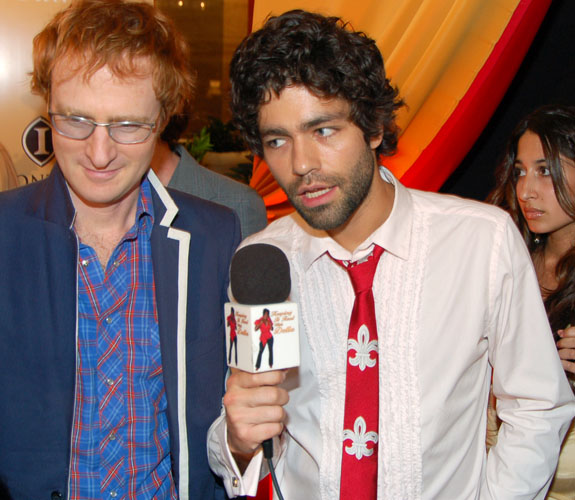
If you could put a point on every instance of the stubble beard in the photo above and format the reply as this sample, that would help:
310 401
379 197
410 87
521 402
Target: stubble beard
354 189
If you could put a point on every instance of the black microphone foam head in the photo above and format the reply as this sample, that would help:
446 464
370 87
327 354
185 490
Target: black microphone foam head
260 274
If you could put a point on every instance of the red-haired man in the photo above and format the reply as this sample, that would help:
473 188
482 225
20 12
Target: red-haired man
112 338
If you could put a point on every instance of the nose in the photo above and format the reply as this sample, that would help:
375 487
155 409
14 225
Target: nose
100 148
526 187
305 158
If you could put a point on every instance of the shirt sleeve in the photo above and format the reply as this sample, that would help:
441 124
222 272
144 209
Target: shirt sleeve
534 400
223 464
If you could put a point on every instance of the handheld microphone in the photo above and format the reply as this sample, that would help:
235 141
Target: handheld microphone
261 318
261 325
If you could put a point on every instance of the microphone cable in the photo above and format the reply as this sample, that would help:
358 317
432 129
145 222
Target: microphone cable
268 449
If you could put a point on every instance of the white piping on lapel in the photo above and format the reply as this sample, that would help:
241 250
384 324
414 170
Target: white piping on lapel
183 258
171 207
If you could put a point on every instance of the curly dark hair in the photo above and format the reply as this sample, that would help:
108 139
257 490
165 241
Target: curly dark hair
555 127
325 55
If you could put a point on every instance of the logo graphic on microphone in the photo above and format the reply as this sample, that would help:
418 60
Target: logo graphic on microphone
261 339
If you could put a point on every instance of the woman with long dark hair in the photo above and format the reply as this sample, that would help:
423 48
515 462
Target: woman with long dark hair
536 185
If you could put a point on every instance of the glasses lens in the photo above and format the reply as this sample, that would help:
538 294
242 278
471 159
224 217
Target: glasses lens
74 127
130 133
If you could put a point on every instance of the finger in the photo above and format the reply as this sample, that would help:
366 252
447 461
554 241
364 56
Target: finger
567 354
246 380
248 427
255 397
567 332
566 343
568 366
247 416
246 439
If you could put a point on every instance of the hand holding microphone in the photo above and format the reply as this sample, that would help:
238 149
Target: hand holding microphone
262 340
254 409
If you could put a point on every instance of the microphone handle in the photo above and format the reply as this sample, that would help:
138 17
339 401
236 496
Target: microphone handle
268 447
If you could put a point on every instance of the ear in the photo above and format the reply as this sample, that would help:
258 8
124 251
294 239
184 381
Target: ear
375 141
161 124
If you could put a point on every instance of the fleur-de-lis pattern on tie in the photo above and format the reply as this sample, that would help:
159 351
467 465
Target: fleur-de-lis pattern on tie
361 416
362 347
359 439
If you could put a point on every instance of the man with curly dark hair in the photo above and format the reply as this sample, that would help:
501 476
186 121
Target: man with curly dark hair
393 406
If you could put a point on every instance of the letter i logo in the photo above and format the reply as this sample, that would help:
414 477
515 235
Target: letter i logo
37 141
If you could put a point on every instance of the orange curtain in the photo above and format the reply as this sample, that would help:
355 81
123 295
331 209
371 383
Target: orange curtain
452 61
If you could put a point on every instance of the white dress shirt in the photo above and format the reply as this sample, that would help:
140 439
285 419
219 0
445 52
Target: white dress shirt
455 295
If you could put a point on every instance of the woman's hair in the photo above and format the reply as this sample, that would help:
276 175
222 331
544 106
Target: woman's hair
121 35
555 127
322 54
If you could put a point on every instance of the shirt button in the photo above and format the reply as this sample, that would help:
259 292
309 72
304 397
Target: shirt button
113 494
84 262
235 482
110 382
56 495
108 320
112 437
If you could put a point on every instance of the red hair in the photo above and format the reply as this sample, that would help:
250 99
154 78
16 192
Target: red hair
92 34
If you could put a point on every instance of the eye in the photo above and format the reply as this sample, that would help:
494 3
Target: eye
275 143
544 171
325 131
76 121
518 172
127 128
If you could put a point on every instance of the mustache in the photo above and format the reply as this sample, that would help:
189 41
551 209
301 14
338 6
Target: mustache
312 177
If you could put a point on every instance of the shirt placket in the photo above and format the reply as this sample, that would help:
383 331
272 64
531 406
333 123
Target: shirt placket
111 384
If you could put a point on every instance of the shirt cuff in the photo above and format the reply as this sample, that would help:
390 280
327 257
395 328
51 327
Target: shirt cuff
224 465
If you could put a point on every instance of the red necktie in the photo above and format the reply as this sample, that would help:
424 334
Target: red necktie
361 418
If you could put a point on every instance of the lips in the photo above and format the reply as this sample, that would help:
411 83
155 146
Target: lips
100 174
532 213
311 196
316 194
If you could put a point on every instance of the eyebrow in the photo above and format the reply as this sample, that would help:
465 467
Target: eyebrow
305 126
542 161
113 119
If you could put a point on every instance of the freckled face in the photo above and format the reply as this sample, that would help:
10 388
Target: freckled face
535 191
99 171
317 155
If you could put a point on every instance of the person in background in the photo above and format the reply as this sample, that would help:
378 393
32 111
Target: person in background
177 169
391 395
8 176
536 185
112 289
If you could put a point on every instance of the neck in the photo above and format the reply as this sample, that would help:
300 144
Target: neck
559 243
370 215
556 246
102 227
164 162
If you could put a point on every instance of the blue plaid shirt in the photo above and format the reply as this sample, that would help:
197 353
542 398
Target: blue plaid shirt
120 440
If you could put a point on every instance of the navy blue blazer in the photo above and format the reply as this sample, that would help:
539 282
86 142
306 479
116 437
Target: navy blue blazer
193 241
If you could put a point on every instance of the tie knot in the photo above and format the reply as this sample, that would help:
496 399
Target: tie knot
362 273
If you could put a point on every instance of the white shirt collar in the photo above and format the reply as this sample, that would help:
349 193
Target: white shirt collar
393 235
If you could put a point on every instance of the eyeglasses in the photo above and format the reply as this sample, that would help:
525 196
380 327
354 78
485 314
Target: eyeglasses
80 128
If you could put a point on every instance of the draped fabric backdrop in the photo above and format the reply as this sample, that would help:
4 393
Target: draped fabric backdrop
452 61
